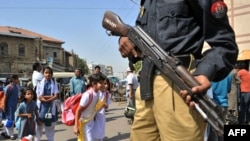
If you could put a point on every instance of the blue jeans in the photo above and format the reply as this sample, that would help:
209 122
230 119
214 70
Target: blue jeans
244 112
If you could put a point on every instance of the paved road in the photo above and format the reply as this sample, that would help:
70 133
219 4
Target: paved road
117 128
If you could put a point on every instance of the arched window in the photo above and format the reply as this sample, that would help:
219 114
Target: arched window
4 49
21 50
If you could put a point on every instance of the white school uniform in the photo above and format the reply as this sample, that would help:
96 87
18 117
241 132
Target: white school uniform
100 119
49 131
88 112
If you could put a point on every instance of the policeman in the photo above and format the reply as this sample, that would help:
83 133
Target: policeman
180 27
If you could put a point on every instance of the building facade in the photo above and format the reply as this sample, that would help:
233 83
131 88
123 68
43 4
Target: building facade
239 15
20 48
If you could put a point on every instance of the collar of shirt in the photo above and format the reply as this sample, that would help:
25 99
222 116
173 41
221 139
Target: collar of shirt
48 81
78 77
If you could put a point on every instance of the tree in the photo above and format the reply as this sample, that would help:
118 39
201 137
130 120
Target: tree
82 64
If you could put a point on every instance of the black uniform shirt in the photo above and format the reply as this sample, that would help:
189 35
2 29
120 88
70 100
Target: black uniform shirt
181 28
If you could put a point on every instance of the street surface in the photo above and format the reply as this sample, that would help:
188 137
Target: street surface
117 128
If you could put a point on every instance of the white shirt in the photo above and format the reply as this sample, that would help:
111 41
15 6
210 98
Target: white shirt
36 77
84 101
40 91
132 79
100 118
88 128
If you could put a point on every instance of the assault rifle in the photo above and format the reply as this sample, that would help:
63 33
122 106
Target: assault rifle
168 64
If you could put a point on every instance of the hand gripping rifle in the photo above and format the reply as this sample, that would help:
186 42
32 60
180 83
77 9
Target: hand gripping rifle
168 64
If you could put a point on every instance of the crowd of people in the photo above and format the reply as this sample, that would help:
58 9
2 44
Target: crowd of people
163 111
230 93
90 116
33 111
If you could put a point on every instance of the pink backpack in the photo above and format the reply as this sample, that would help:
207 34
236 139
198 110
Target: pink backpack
70 106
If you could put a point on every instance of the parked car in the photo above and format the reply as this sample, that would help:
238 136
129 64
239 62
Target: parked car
63 85
63 74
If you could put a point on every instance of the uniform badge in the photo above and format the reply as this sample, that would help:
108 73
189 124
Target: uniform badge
219 9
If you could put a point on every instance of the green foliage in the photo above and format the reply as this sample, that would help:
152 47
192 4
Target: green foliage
82 64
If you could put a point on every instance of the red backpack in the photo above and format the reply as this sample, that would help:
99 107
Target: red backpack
70 106
3 97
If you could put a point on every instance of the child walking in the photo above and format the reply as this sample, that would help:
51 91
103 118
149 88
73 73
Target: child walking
28 114
88 106
100 118
11 92
47 94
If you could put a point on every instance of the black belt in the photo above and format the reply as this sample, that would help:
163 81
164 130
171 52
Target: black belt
184 59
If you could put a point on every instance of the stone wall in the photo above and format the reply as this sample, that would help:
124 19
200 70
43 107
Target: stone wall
13 62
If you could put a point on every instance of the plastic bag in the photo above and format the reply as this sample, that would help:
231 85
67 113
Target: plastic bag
129 111
8 123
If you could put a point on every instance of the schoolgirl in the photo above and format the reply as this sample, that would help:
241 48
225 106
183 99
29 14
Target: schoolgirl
100 118
47 94
87 109
28 113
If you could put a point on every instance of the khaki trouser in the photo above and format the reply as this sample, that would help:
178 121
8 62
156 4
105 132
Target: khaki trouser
166 117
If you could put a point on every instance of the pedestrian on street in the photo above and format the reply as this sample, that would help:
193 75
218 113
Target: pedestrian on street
132 84
100 117
233 110
77 83
220 90
97 69
27 111
47 94
88 106
37 75
244 112
11 92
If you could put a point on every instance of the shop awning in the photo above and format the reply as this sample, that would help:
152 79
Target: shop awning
244 55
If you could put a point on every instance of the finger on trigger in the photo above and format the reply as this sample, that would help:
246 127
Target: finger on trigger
188 99
134 53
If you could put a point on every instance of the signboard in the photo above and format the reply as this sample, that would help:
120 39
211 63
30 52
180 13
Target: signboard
50 61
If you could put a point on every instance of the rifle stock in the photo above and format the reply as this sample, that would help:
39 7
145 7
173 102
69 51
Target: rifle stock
168 64
113 23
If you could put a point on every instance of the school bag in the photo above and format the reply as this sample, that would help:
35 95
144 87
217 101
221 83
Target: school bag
2 99
70 106
17 118
3 96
